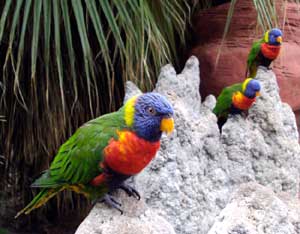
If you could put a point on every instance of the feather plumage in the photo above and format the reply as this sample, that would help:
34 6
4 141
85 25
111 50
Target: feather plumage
236 99
264 51
89 162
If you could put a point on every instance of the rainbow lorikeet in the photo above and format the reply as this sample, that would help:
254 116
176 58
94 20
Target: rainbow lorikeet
105 151
264 51
235 99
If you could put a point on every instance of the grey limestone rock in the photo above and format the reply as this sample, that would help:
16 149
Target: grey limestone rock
137 219
131 90
255 209
196 170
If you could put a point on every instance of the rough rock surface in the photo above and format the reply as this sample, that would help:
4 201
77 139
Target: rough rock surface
196 170
209 28
137 219
255 209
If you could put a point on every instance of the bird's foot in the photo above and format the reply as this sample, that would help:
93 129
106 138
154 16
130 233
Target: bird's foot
244 114
130 191
111 201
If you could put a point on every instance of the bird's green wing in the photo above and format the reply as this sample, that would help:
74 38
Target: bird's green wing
253 54
224 100
77 160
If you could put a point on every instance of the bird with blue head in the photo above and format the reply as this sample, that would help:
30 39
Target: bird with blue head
104 152
251 88
236 99
152 116
264 51
274 37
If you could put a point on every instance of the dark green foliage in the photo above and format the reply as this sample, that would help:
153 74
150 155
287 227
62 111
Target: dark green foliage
3 231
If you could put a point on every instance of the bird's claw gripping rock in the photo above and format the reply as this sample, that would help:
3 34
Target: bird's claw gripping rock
130 191
111 201
244 114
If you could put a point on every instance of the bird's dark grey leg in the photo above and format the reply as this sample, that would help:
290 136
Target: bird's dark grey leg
111 201
244 114
130 191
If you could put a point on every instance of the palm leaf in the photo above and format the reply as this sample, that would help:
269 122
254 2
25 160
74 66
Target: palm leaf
35 36
47 33
92 9
56 17
78 11
229 16
71 53
17 89
3 17
108 12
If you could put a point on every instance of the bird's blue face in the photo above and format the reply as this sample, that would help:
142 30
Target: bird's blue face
275 36
252 89
153 115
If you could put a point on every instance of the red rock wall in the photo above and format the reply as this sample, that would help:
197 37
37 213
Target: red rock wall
209 26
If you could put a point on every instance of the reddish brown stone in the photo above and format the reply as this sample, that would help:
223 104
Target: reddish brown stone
231 67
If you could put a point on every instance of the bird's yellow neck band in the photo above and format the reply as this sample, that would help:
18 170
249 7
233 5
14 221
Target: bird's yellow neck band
266 38
129 111
245 83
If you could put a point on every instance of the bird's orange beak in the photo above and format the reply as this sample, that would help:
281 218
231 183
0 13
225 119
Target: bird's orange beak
279 39
257 94
167 125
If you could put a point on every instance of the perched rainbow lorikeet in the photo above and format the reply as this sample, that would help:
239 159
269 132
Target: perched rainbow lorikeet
264 51
235 99
106 151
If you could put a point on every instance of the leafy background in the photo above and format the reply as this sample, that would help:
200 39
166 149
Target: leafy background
64 62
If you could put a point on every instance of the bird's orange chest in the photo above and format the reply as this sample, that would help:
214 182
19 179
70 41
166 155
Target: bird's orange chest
270 51
242 102
129 154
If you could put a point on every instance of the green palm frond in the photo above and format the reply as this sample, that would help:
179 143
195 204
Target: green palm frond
140 31
266 13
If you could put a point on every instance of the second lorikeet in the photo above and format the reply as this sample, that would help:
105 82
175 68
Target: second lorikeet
235 99
264 51
105 151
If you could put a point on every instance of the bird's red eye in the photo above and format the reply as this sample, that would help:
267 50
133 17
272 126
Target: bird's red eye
151 111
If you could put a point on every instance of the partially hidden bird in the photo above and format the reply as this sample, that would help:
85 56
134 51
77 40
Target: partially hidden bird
236 99
264 51
106 151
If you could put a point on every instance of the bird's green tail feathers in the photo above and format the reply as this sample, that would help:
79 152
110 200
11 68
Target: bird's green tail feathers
40 199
